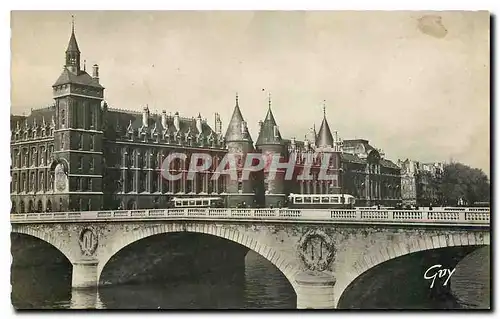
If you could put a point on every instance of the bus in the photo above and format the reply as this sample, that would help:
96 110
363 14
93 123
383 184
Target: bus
197 202
321 201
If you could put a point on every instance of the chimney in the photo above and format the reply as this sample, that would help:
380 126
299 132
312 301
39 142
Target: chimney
198 124
219 127
164 119
145 116
177 121
95 72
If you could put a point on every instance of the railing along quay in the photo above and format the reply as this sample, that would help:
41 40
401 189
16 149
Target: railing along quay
437 216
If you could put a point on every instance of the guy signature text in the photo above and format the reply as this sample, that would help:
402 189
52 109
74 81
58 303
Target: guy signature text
435 272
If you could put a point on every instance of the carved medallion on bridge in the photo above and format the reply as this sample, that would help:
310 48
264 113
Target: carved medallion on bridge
316 250
88 241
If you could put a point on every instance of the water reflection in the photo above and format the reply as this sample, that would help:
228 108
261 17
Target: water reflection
85 299
263 287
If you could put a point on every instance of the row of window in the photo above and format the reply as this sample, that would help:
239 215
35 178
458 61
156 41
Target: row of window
22 208
31 157
90 162
140 183
83 184
154 159
315 159
21 183
84 117
79 144
178 139
27 134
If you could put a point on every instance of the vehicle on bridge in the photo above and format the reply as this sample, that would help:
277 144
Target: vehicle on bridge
321 201
197 202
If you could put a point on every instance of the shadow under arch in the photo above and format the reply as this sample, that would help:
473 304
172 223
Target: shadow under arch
288 269
40 273
46 237
399 283
407 246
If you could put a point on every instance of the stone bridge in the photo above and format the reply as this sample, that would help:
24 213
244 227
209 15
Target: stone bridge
320 252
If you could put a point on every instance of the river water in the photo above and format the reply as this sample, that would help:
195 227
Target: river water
263 287
397 284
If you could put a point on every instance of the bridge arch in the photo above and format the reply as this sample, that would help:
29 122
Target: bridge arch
48 238
405 247
285 266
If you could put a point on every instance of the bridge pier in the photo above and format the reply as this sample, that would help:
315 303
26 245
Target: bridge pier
315 290
84 274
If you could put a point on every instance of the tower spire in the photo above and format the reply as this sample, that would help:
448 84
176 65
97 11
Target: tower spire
324 108
269 100
73 52
237 99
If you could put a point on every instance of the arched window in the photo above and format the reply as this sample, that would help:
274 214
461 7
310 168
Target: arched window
22 207
13 208
49 206
39 206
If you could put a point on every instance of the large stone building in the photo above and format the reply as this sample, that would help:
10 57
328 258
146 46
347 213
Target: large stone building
419 182
80 154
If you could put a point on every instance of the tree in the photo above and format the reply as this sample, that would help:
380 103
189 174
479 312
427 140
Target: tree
461 181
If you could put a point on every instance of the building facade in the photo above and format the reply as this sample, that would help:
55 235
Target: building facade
80 154
419 182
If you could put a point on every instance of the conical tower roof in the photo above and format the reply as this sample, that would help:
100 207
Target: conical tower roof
72 45
237 129
269 133
324 137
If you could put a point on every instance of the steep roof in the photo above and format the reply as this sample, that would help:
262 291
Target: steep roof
234 129
351 158
120 121
267 132
82 78
73 45
324 137
388 163
37 116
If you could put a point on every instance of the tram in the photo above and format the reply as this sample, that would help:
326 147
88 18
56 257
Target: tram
197 202
321 201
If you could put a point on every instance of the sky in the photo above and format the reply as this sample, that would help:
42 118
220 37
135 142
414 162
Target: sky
415 84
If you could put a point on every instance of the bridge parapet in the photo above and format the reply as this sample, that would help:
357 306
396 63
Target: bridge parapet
366 216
